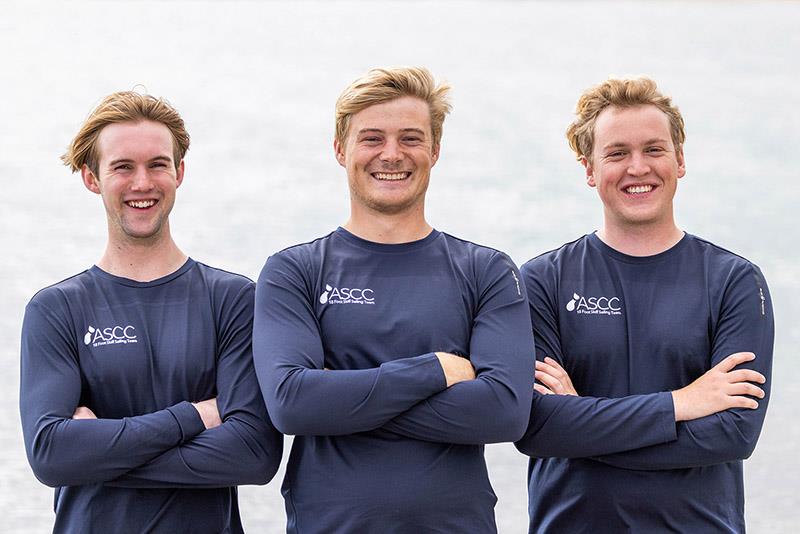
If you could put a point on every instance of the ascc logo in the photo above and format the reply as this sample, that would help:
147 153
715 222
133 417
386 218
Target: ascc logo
346 295
595 305
112 335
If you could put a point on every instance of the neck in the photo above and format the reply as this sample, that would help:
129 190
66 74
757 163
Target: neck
640 240
141 261
386 228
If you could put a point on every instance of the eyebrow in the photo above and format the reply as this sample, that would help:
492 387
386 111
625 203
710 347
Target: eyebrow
128 160
652 141
378 130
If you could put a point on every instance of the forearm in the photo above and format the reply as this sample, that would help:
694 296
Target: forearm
319 402
66 452
473 412
567 426
240 451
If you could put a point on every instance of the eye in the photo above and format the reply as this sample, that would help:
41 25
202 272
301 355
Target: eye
158 164
412 139
654 150
122 167
615 155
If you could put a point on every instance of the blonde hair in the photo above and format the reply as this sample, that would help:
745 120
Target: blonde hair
124 106
624 93
384 84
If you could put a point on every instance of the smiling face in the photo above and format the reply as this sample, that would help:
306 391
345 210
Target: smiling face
635 167
388 154
137 179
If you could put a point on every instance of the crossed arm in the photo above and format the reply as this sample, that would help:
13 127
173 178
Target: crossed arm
716 417
67 445
430 396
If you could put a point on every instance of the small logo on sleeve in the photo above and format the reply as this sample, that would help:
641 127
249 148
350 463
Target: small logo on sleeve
347 295
594 305
112 335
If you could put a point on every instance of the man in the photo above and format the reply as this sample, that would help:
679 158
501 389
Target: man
138 397
666 334
392 350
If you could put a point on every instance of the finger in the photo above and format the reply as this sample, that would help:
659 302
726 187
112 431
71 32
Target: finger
552 362
742 402
549 381
733 360
746 388
746 375
541 389
552 370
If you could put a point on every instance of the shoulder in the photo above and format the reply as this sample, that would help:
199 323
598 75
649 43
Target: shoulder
474 251
552 260
720 262
220 277
63 291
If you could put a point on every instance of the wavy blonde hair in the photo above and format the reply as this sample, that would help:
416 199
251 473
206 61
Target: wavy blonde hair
624 93
384 84
124 106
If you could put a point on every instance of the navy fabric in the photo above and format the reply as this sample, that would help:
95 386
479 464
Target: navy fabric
382 445
137 354
629 330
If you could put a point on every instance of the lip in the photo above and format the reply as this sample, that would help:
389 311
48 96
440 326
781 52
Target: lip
640 185
132 203
390 176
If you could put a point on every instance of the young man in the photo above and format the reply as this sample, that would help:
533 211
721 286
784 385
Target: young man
392 350
666 334
138 397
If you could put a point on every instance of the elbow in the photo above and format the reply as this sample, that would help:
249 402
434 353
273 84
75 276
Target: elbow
509 427
49 472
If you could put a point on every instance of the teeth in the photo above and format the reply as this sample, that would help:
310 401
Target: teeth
391 176
639 189
141 203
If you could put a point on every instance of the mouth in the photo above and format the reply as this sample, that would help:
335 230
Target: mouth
638 189
141 204
391 176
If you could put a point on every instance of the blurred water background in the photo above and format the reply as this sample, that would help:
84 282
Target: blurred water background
256 83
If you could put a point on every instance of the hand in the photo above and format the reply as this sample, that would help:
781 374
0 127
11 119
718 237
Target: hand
209 412
554 379
456 369
719 389
82 412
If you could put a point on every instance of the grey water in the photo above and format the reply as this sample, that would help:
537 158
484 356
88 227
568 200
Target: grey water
256 83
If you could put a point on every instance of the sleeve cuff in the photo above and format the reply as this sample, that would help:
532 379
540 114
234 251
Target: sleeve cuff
188 420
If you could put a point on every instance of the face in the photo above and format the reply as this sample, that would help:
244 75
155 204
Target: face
388 154
137 179
634 166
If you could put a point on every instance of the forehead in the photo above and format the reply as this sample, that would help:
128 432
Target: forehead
143 140
630 125
400 113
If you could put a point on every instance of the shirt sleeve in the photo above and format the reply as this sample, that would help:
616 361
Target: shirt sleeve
568 426
67 452
744 324
302 397
494 407
246 448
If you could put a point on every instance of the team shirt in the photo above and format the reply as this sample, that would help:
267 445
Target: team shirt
629 330
344 340
136 353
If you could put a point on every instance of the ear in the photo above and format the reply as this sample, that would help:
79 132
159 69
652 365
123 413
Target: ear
681 163
338 149
90 181
587 165
435 154
179 174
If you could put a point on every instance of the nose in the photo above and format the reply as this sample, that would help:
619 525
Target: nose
141 180
391 151
638 165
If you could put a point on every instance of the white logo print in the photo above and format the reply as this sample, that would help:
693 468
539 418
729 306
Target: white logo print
112 335
595 305
347 295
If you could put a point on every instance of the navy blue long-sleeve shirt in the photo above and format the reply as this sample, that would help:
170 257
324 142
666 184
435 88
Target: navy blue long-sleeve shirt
137 354
344 339
629 330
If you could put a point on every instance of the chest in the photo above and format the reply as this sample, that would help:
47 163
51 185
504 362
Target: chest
137 356
373 312
630 329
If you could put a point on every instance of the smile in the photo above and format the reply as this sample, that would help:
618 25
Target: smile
390 176
141 204
638 189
